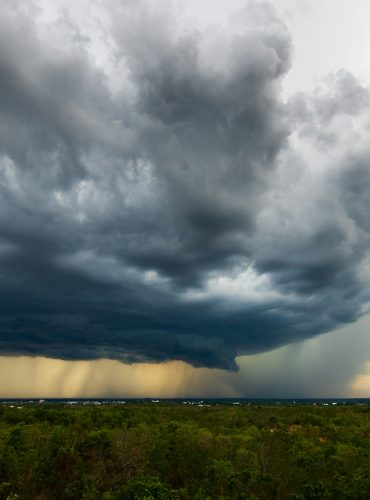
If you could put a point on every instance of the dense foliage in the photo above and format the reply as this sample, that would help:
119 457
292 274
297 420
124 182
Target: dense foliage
169 451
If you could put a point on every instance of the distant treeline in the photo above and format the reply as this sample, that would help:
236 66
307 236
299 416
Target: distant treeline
169 451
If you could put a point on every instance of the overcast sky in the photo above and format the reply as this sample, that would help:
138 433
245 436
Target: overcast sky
184 198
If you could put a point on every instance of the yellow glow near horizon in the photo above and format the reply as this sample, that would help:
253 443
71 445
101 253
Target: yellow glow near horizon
361 383
38 377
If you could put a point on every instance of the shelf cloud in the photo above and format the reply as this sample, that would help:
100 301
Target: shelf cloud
161 200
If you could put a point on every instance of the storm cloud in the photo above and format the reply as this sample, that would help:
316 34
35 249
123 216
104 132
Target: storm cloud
164 201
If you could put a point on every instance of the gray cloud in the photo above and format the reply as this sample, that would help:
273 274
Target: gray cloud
168 204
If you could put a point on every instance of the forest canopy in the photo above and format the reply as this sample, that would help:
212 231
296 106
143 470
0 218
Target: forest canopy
172 451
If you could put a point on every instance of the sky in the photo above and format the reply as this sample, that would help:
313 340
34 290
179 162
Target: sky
184 198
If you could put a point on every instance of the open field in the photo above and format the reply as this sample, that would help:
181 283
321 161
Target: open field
173 451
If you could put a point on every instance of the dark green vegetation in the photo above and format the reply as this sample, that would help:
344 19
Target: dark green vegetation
180 452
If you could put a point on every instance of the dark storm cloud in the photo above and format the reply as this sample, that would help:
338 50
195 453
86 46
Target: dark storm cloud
169 204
